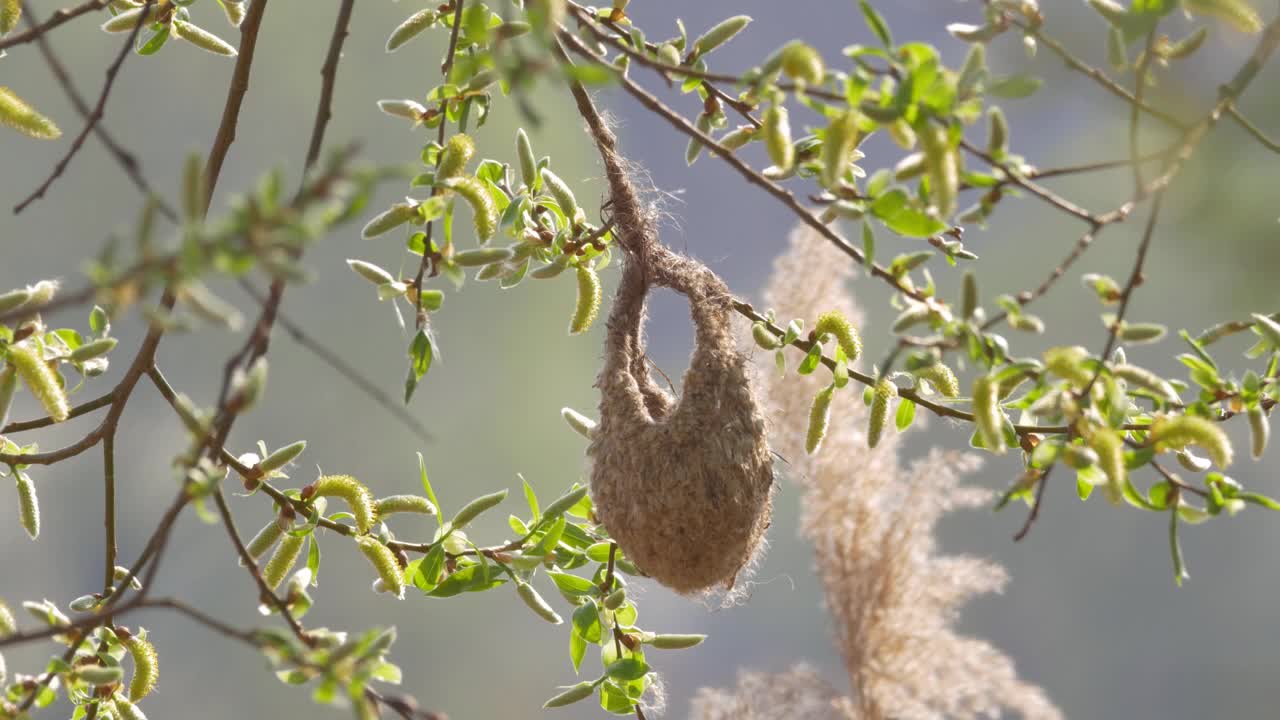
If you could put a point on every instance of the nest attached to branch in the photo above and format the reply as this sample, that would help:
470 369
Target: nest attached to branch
683 485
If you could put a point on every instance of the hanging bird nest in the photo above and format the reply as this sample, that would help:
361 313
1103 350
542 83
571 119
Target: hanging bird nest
684 486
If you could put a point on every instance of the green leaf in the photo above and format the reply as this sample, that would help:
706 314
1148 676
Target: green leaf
426 488
313 560
532 499
1015 86
876 23
586 622
572 584
906 414
627 669
811 360
421 351
577 650
895 210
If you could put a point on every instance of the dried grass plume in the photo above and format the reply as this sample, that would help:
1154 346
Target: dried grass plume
893 598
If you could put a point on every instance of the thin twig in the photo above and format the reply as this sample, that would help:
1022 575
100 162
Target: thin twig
329 77
127 160
235 97
1252 129
778 192
98 110
348 372
57 18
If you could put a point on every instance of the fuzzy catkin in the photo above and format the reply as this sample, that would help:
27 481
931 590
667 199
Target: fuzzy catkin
588 304
146 667
1179 431
354 494
683 485
282 560
40 379
28 505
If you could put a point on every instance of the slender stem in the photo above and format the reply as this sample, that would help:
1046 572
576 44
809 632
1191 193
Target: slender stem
57 18
329 77
109 490
127 160
235 97
98 110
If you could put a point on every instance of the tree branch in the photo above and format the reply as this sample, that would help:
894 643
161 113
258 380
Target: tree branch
94 117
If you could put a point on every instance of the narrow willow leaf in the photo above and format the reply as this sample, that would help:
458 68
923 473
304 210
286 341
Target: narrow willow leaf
20 116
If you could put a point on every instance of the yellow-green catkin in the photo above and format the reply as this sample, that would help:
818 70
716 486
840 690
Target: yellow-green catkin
837 148
777 137
838 326
203 39
819 419
563 195
1109 446
1260 430
10 13
20 116
944 169
1178 431
885 391
941 378
40 379
987 414
1238 13
589 295
235 11
483 208
528 163
392 218
266 537
802 62
455 156
146 667
28 504
384 561
393 504
282 560
764 337
8 624
354 494
1067 362
411 28
8 387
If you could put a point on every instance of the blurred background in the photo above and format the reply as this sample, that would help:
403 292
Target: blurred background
1091 613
